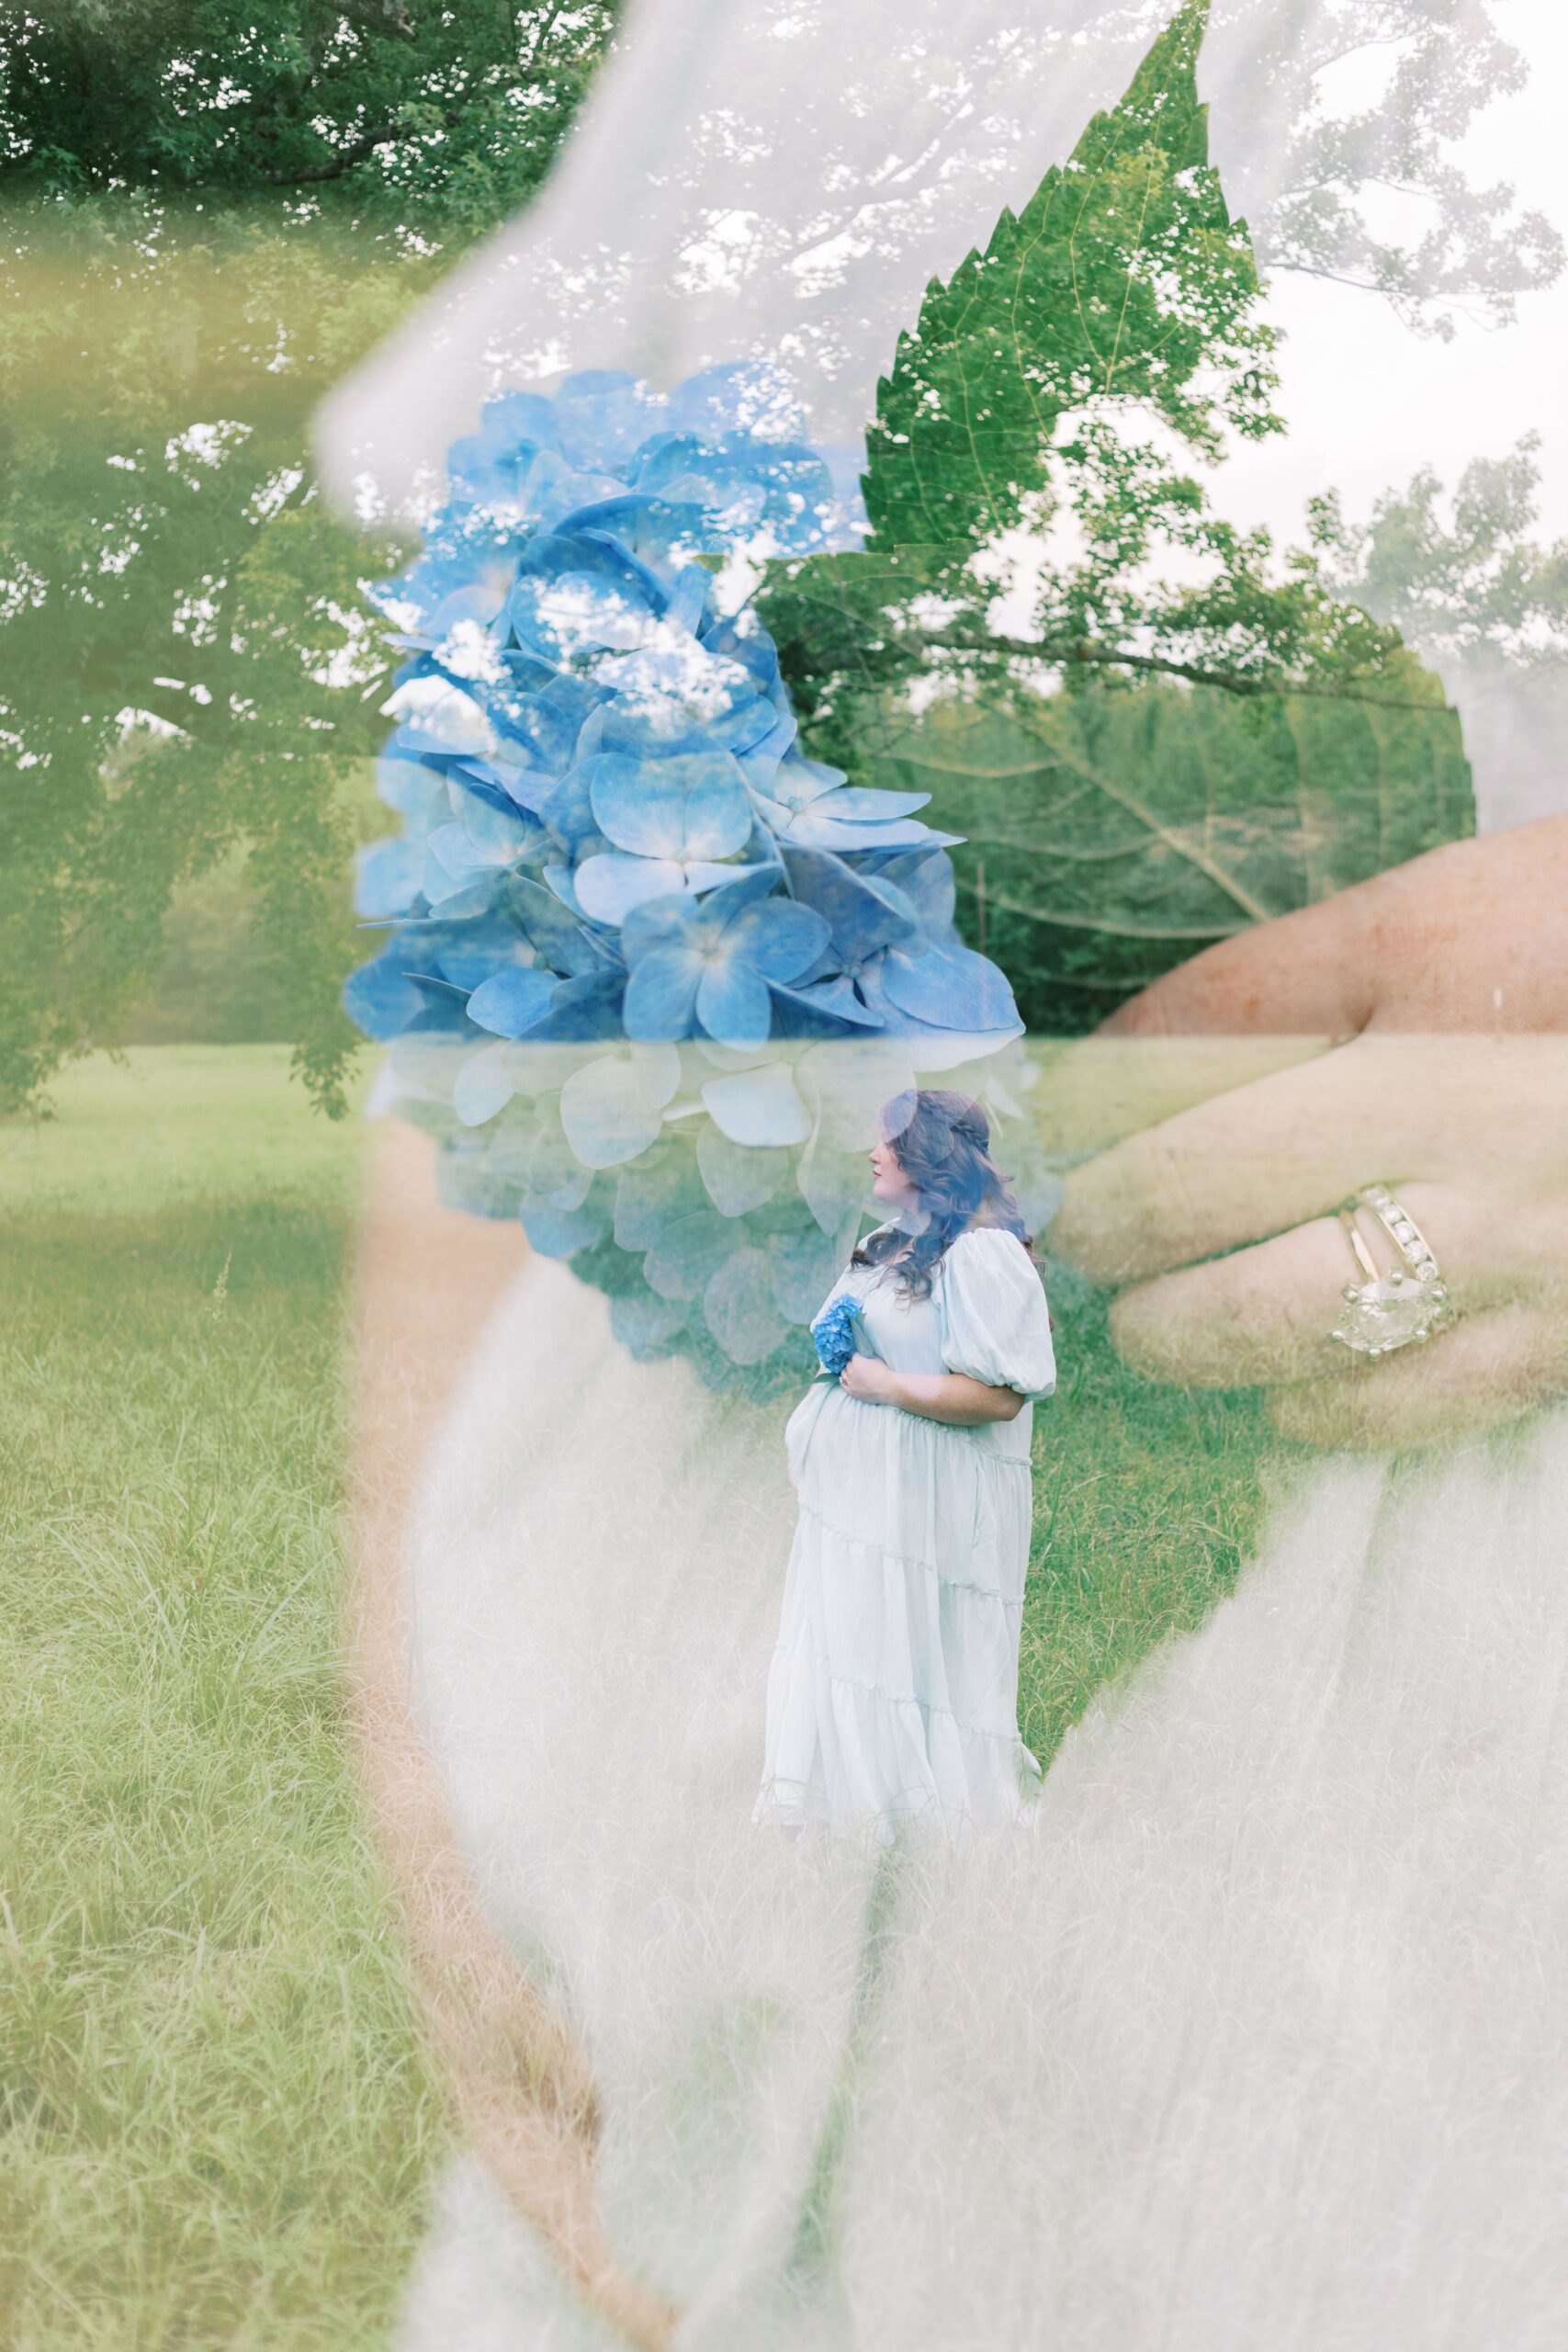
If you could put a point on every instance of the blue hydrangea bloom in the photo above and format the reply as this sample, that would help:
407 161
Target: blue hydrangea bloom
838 1335
624 902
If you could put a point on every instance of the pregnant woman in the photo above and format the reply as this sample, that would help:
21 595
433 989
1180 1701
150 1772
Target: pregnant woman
893 1691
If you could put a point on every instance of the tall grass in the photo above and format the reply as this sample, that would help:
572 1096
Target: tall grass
218 2116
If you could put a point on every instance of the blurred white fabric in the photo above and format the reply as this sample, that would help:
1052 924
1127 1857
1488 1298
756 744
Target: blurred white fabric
776 179
1258 2038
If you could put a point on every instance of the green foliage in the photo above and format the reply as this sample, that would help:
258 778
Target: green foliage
1011 462
186 667
1123 279
213 985
1464 576
1149 1502
431 116
1150 730
1109 835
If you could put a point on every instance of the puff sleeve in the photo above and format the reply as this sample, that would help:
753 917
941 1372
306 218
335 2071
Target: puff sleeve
995 1323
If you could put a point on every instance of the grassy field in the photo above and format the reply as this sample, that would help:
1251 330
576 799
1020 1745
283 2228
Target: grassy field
220 2118
1148 1501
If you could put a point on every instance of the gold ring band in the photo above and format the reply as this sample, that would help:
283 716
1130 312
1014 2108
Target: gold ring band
1387 1311
1363 1256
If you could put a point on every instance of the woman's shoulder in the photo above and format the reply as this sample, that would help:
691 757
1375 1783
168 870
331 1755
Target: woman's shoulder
997 1241
990 1254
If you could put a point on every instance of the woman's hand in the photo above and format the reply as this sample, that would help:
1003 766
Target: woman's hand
868 1379
1412 1032
950 1397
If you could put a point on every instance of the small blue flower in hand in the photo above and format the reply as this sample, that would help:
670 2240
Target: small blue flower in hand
837 1334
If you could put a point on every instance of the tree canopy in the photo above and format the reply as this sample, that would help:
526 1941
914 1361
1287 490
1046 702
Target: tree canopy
1149 728
431 116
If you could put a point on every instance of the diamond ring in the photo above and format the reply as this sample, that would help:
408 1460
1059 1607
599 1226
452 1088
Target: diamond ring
1388 1311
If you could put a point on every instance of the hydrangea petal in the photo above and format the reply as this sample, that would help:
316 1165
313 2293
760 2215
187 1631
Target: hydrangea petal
645 1325
613 1108
661 993
379 998
690 806
814 829
612 882
560 1233
603 414
777 937
864 804
732 1002
740 1177
688 1253
834 1183
740 1309
862 914
482 1086
514 1001
581 1011
657 1191
952 987
387 876
804 1267
439 716
758 1106
823 1009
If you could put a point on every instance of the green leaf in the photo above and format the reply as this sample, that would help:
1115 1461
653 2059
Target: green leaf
1112 834
1183 737
1123 275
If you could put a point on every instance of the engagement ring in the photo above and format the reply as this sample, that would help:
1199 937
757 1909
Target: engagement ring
1388 1310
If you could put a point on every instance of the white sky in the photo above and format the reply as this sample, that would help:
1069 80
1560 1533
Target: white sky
1368 401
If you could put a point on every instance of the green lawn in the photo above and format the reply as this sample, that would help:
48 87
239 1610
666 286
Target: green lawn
220 2119
1148 1501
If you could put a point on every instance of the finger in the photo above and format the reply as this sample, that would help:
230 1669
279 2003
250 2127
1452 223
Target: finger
1090 1092
1488 1369
1290 1146
1468 936
1252 1161
1264 1315
1317 969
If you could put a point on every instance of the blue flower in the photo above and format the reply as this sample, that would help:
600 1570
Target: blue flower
626 909
893 961
839 1334
711 961
670 823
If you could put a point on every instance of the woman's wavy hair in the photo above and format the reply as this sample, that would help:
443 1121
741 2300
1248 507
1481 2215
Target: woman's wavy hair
943 1146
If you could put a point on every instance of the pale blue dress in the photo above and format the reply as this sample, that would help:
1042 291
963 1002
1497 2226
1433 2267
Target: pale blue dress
892 1690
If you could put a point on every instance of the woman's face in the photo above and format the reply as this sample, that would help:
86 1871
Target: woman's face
888 1182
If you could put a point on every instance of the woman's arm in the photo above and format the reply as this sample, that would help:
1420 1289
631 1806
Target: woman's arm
950 1396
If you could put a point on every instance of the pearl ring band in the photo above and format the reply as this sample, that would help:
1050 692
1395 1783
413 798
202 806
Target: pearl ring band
1388 1311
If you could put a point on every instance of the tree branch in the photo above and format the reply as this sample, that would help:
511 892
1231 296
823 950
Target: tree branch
380 17
1080 651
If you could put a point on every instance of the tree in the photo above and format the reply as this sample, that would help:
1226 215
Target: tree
1148 727
188 662
431 117
1436 64
1465 579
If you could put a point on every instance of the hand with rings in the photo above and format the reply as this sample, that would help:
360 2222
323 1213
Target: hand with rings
1338 1162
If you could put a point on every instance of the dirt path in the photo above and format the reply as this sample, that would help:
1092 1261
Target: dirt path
425 1280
